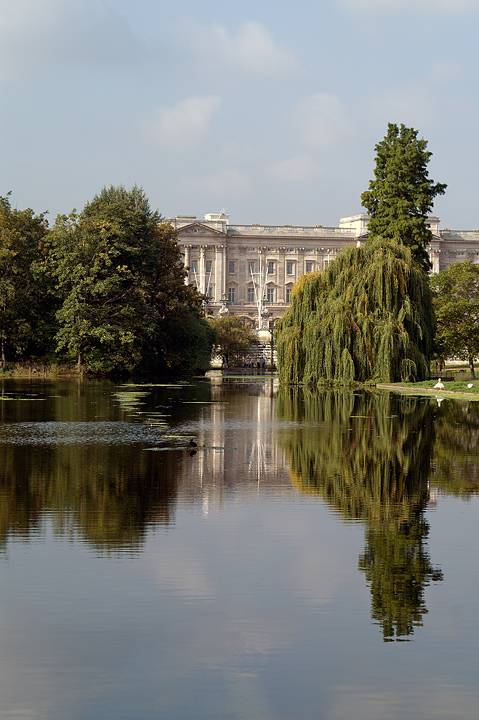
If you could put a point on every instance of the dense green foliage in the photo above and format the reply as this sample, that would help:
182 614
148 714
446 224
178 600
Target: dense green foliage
401 196
369 456
367 316
114 275
456 304
23 307
232 338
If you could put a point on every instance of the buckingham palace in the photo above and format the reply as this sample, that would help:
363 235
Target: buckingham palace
250 270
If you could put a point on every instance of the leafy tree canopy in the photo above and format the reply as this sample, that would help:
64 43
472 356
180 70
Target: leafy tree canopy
456 303
23 308
124 302
367 316
401 196
231 336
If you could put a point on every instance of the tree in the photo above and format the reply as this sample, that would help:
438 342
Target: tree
401 196
22 312
232 338
124 302
367 316
456 303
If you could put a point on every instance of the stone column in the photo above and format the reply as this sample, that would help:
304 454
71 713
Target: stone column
223 274
202 270
187 262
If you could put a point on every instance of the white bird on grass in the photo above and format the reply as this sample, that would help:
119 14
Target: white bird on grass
439 385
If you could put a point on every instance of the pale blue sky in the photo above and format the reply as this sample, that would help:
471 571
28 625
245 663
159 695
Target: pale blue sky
270 110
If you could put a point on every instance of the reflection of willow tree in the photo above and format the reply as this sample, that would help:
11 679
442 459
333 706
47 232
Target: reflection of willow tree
369 458
456 450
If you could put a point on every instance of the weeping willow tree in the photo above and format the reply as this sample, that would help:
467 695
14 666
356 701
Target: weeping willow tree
367 316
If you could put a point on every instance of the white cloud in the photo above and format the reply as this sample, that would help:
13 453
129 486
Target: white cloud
321 119
447 6
180 126
252 51
35 33
295 170
222 186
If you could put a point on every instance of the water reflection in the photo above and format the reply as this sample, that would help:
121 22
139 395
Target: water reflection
369 456
108 461
456 451
76 453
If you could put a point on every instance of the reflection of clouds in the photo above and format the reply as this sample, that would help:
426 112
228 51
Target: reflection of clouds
317 575
437 700
400 6
183 572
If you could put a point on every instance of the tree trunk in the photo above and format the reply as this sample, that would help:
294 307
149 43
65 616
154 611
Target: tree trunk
3 361
79 362
471 366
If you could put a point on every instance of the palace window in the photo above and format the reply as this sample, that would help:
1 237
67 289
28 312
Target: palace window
231 267
271 267
250 294
288 294
231 294
251 266
194 266
309 267
289 268
270 295
209 266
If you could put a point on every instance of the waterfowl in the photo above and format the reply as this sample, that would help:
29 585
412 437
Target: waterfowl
192 443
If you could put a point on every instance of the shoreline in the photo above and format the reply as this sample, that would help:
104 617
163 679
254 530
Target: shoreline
457 394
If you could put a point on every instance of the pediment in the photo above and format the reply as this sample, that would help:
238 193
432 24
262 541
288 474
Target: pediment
198 228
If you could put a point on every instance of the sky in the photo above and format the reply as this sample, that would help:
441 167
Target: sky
266 109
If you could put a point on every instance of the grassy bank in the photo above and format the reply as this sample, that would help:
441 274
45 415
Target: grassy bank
38 370
457 389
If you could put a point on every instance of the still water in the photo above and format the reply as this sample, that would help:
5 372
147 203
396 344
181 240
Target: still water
314 557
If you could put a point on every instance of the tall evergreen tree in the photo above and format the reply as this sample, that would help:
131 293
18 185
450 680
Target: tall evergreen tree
401 196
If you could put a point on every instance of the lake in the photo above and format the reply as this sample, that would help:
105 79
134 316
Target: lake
223 549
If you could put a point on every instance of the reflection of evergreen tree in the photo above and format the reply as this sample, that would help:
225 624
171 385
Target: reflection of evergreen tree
456 450
369 457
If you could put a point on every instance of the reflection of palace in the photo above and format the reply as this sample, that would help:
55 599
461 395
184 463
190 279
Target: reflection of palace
250 270
245 461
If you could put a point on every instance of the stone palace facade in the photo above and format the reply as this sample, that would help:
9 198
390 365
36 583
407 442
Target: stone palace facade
250 270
